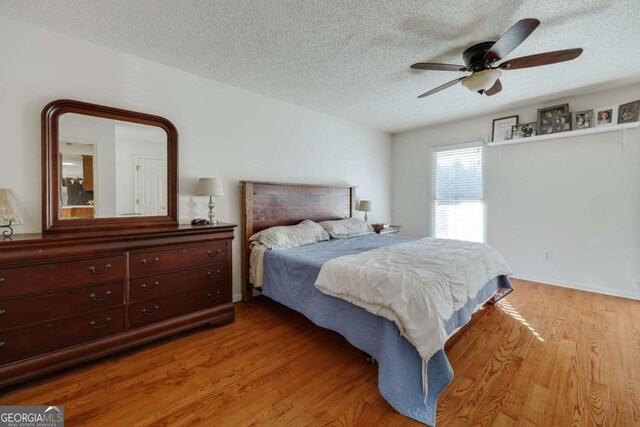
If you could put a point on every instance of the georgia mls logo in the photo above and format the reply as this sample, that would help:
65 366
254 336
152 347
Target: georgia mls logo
31 416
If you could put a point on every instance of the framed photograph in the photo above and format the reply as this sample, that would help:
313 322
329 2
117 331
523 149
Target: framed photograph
524 130
545 117
606 116
561 122
628 113
583 119
503 128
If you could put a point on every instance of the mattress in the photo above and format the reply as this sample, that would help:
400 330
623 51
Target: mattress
288 278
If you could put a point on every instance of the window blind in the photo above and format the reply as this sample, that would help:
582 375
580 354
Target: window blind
458 194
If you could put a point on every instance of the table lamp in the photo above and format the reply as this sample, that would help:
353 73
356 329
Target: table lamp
9 213
211 187
366 206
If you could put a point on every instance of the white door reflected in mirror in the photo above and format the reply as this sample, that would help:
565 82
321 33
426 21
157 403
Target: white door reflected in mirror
111 168
151 185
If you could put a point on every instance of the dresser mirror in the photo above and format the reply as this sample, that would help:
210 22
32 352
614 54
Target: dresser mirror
106 168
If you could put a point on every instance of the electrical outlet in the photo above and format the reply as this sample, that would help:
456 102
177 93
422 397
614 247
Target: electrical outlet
547 255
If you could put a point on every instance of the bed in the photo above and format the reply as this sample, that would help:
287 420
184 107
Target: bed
289 277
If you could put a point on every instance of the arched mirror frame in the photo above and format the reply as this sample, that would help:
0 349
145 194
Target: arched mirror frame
51 180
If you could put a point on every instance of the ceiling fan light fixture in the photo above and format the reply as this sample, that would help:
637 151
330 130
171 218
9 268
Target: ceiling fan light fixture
481 58
481 80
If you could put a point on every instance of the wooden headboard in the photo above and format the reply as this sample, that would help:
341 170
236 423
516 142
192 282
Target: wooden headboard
268 204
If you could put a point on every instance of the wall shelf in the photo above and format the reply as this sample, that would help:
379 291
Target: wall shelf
569 134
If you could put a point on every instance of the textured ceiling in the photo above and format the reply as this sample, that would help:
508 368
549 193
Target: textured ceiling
350 58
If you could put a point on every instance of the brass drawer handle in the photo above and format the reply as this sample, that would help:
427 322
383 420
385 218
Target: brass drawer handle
94 271
1 343
149 289
214 297
214 276
2 312
147 263
155 310
94 325
1 279
216 253
93 297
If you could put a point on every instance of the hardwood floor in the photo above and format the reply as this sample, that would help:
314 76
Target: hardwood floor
544 356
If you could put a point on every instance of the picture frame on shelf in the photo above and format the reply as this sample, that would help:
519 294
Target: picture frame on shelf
583 119
606 116
545 117
561 122
628 112
503 128
524 130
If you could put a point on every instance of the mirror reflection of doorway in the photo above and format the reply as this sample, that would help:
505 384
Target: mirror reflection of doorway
77 180
151 185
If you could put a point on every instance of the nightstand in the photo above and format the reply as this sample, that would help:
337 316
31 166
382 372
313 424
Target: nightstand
392 229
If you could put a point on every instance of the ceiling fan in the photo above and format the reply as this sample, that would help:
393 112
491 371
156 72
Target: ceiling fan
480 59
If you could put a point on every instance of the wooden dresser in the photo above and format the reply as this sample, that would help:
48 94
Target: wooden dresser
69 298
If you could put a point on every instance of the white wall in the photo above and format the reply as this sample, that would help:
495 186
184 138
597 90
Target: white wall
577 197
101 134
224 131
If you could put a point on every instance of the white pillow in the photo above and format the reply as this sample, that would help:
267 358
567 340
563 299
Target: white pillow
348 227
290 236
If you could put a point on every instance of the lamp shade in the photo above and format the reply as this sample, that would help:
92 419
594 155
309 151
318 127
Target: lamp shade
365 206
482 80
8 208
210 187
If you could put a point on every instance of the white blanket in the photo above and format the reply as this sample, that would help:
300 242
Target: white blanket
417 285
256 264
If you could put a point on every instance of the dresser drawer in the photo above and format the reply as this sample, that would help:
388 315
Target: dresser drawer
58 275
179 282
146 313
21 343
154 262
16 312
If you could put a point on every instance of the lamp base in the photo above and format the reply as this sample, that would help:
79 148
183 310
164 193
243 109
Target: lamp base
212 214
9 232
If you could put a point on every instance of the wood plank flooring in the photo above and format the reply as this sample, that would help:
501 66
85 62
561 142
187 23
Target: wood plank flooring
544 356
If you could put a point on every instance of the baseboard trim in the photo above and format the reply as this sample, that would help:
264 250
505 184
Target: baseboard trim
579 286
237 297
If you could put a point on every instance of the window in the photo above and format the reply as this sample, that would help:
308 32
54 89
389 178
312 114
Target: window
458 208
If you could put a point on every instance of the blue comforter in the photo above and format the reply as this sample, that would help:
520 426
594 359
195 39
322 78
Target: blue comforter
289 277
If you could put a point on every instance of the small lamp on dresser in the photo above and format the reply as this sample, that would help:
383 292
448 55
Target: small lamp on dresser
9 213
211 187
366 206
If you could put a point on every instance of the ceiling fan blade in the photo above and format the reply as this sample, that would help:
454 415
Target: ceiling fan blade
512 39
438 67
497 87
444 86
541 59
